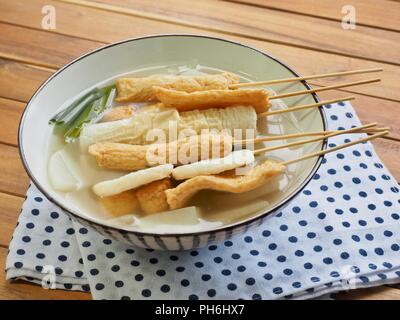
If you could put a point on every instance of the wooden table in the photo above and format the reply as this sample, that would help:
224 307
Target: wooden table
305 34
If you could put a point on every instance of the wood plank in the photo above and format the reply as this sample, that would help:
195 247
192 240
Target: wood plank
14 180
19 81
304 61
40 47
383 14
269 25
10 207
26 291
10 112
376 293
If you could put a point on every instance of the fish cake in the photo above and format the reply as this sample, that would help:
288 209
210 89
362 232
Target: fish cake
121 204
227 181
152 198
184 101
118 113
142 89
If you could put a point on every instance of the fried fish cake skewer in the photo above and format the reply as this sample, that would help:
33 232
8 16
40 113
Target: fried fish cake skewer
152 198
141 89
184 101
228 181
120 204
127 157
135 129
118 113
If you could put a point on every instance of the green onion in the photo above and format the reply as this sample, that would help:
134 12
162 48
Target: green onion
87 109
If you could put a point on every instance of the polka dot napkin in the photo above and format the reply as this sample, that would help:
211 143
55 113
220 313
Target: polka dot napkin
341 232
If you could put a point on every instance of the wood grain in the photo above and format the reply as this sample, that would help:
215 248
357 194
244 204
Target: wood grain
10 112
25 291
303 61
269 25
10 207
368 12
376 293
40 47
14 180
19 81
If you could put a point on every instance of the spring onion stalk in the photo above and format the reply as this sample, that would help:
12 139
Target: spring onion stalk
92 113
85 110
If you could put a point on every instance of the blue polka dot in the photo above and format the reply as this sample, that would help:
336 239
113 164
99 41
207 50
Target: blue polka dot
283 227
241 268
327 260
299 253
344 255
268 276
292 239
266 233
379 251
281 258
232 286
337 242
321 216
395 247
363 252
317 248
277 290
217 259
347 168
226 272
303 223
272 246
362 223
248 239
308 265
288 272
353 210
323 188
355 238
346 224
332 171
228 243
311 235
313 204
388 233
379 220
250 281
387 203
339 211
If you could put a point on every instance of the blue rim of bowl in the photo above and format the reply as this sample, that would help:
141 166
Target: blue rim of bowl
228 227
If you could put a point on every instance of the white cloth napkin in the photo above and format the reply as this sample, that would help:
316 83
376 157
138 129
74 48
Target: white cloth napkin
342 232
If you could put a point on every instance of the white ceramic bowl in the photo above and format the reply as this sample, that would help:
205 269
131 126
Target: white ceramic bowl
155 51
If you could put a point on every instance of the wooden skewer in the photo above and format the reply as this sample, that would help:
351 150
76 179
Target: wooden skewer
305 106
336 86
342 146
292 144
316 76
307 134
